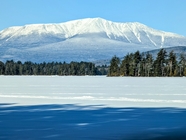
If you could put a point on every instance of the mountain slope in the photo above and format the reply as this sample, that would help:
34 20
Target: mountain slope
81 40
178 50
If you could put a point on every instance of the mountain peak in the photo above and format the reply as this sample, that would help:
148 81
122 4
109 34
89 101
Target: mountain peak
81 26
87 39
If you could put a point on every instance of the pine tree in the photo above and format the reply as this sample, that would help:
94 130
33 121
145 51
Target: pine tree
114 67
148 65
160 63
124 68
172 64
182 65
137 60
2 68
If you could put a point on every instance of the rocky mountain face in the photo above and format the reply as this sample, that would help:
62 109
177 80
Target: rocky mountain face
88 39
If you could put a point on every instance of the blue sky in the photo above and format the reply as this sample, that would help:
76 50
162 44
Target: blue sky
167 15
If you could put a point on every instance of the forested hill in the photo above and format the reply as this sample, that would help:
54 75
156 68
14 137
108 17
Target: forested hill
177 50
144 64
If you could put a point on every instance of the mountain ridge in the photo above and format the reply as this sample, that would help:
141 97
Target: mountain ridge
85 39
98 25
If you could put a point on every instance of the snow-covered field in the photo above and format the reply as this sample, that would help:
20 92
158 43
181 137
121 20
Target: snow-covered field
99 90
92 107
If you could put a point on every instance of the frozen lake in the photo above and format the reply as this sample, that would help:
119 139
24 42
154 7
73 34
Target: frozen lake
92 108
94 90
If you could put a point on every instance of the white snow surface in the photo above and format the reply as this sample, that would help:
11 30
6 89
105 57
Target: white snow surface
87 39
84 26
94 90
92 108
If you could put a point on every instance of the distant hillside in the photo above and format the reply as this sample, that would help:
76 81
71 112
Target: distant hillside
177 50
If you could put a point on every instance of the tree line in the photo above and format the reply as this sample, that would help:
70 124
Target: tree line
141 64
133 64
54 68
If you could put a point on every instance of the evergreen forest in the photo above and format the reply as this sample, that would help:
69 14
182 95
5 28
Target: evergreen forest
141 64
53 68
133 64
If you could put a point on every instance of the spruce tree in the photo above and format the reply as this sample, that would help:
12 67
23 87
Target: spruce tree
137 60
2 68
182 65
124 68
114 67
172 64
160 63
148 65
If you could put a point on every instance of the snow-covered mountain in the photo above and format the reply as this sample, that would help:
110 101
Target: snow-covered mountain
81 40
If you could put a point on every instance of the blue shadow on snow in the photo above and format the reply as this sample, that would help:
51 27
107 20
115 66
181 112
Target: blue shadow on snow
74 122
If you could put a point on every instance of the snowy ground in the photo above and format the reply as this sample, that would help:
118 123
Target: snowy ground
97 107
86 90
